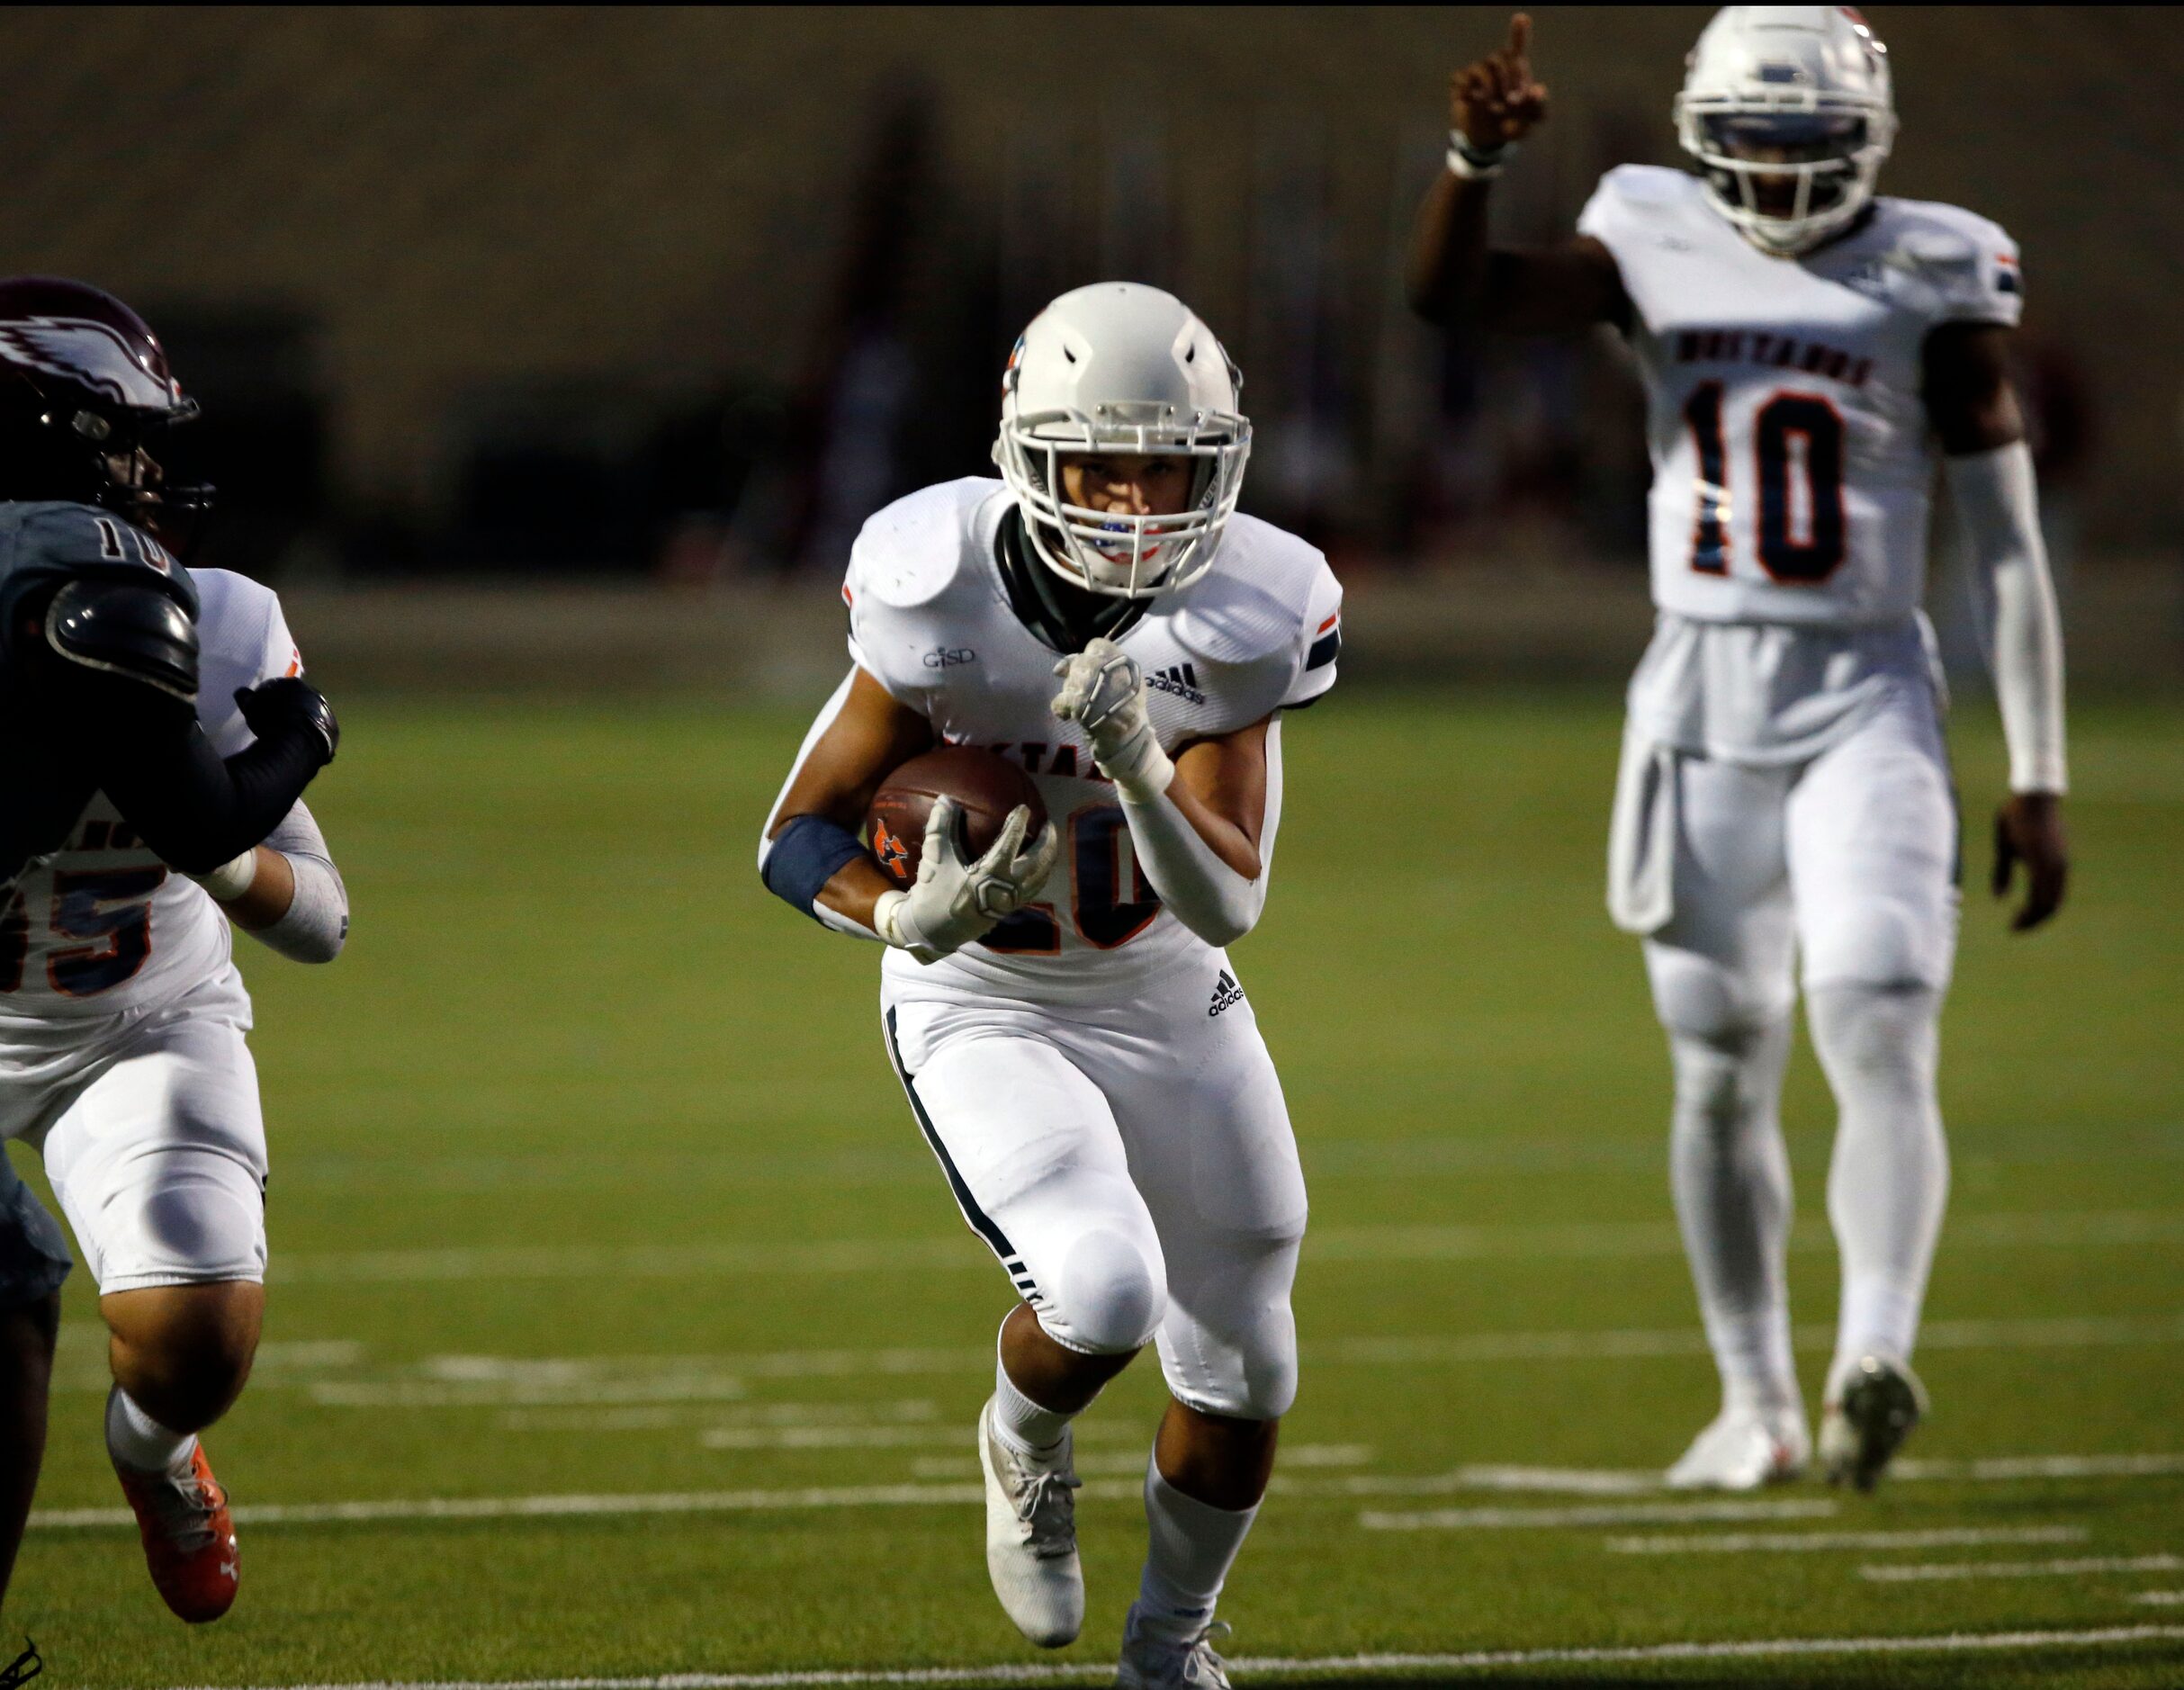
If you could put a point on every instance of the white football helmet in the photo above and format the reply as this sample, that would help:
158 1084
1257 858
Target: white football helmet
1119 367
1790 113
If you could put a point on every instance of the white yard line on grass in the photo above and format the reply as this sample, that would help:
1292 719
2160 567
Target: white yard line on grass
1792 1543
628 1380
1475 1660
962 1494
1622 1344
1601 1513
803 1258
1122 1463
2006 1467
2160 1598
1580 1481
2024 1569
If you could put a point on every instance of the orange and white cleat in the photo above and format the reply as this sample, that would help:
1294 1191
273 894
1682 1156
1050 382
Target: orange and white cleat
189 1538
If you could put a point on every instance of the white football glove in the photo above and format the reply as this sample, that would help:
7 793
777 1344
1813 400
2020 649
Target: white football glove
955 901
1103 693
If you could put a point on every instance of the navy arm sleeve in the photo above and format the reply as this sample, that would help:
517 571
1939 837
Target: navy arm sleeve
195 808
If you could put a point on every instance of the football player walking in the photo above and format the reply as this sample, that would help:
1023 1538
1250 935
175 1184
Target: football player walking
1061 1013
1785 794
128 844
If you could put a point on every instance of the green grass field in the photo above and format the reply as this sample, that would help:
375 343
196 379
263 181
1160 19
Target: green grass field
590 1181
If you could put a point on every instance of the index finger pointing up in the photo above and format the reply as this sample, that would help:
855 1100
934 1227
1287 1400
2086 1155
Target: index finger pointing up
1520 35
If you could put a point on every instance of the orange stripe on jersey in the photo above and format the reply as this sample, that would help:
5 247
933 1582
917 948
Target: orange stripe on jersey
848 598
1330 621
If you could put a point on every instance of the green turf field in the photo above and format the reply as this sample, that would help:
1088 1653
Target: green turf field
590 1181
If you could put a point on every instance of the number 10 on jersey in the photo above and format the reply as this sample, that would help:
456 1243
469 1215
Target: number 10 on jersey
1796 462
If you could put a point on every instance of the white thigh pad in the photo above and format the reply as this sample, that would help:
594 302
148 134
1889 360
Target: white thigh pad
160 1163
1030 1151
1722 966
1873 851
1199 1106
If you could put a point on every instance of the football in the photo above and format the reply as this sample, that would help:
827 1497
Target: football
985 787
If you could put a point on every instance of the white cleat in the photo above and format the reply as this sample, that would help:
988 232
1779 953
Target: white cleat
1032 1536
1861 1431
1153 1663
1743 1450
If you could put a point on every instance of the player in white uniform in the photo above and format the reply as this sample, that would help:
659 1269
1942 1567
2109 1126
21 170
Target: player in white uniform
1073 1041
1786 792
122 1017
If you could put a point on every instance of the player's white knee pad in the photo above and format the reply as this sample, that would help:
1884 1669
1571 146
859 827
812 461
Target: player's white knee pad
1229 1346
1728 1080
1264 1383
1108 1299
1698 999
1877 1035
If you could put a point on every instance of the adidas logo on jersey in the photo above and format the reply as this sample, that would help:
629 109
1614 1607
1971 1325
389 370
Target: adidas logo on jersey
1227 993
1180 678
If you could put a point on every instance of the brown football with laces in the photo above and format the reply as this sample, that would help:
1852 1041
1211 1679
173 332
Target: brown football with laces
985 787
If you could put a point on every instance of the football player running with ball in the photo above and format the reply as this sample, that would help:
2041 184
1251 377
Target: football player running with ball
1785 794
155 740
1072 1040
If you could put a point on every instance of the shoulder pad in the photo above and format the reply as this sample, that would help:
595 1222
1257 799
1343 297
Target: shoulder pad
1649 185
1253 603
233 609
1631 197
1968 262
910 551
44 543
126 629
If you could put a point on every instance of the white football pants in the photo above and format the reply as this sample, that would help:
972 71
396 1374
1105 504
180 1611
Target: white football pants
1849 862
1130 1164
152 1135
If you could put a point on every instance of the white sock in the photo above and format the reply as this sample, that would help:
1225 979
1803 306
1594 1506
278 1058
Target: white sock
139 1442
1193 1546
1023 1424
1889 1180
1730 1174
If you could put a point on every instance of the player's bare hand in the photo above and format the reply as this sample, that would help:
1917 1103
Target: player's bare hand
1496 100
2028 830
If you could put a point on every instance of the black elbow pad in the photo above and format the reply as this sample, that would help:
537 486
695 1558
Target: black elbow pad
137 631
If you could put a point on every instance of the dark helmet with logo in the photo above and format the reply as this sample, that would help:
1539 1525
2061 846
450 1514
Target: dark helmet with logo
86 403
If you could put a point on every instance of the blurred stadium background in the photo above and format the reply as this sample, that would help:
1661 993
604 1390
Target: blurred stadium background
644 310
550 359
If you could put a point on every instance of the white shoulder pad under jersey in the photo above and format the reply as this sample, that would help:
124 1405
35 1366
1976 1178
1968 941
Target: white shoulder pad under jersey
245 640
1266 619
103 925
1791 457
930 619
1966 266
915 581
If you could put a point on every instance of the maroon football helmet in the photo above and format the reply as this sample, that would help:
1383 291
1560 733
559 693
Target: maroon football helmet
86 403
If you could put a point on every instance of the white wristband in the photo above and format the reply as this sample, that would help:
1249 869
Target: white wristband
232 878
1140 768
884 909
1476 164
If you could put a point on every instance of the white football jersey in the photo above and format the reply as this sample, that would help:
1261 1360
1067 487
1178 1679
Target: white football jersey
102 927
930 620
1792 461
